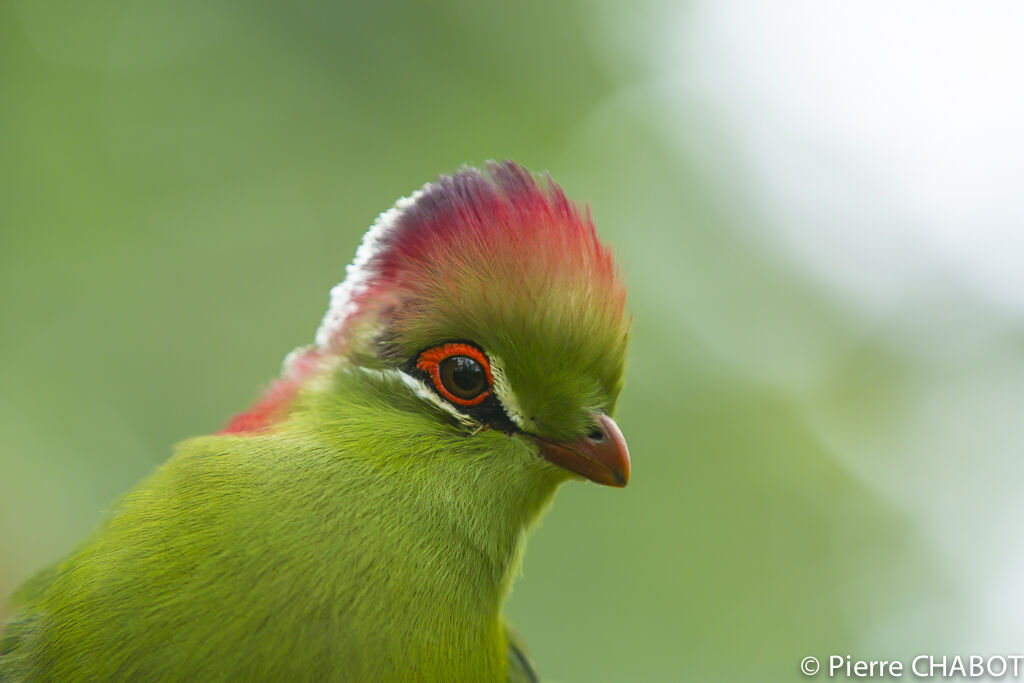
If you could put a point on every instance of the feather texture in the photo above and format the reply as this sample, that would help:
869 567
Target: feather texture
338 565
353 525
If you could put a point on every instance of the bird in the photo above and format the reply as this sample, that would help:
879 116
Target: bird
365 518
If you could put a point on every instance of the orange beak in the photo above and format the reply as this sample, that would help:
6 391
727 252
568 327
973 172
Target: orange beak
600 458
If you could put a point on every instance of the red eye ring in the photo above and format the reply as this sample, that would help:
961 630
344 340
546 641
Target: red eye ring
430 363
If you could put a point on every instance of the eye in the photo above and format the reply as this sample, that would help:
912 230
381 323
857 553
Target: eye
460 372
462 376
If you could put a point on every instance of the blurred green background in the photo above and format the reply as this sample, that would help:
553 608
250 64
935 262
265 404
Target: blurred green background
824 391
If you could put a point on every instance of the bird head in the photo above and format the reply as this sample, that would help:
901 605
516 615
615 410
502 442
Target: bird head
491 297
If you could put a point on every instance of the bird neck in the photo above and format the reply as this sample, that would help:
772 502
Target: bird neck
440 516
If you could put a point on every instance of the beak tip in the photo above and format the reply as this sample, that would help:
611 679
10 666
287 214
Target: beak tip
619 479
605 461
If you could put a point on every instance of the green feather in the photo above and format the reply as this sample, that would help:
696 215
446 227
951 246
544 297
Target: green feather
365 534
208 569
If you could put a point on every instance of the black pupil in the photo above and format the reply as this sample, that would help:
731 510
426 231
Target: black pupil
462 376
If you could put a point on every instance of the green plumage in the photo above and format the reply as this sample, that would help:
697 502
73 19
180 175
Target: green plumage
362 524
232 540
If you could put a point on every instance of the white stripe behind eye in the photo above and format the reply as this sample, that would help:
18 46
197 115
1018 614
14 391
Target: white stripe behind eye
421 391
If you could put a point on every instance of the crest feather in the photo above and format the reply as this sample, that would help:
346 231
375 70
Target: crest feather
460 228
494 256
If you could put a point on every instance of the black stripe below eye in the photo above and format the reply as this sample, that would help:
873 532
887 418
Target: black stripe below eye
492 414
488 412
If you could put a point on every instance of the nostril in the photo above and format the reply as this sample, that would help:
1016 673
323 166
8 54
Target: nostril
595 434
